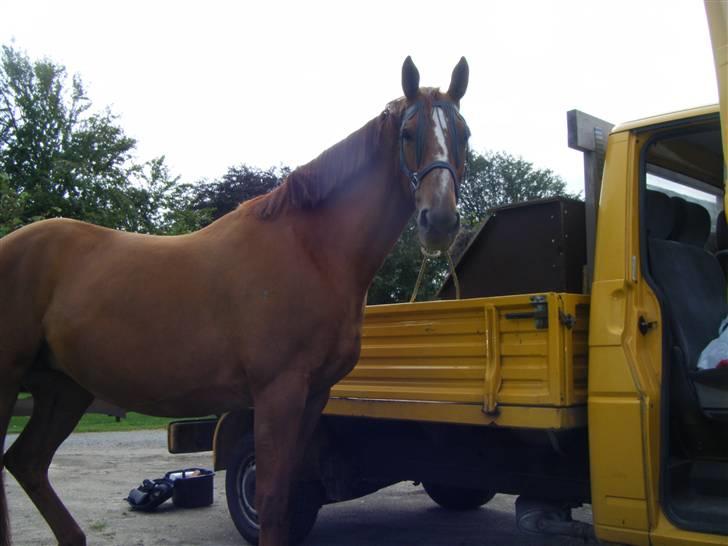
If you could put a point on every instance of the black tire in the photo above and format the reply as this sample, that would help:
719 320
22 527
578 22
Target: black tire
240 493
458 498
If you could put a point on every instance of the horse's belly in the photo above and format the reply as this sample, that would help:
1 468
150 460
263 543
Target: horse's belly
168 395
174 377
200 401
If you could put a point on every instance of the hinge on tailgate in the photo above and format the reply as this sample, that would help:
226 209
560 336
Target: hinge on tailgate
540 315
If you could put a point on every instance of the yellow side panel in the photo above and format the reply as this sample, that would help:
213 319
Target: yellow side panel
485 352
461 414
618 481
420 352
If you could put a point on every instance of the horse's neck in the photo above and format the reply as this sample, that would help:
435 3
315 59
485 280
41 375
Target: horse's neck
354 231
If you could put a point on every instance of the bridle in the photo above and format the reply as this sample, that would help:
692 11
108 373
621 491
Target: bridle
416 176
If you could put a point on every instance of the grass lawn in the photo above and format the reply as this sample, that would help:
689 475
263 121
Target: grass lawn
94 422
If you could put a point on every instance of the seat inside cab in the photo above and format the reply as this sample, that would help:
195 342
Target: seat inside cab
684 235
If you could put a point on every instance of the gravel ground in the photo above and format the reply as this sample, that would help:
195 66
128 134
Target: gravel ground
94 472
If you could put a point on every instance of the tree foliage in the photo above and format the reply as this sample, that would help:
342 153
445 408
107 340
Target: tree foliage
238 184
395 280
496 179
58 158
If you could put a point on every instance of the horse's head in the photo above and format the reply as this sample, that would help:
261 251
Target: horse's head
433 139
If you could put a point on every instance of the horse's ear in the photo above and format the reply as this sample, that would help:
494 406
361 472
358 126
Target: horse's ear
410 79
459 80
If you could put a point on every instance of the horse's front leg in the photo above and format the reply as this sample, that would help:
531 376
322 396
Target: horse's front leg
286 413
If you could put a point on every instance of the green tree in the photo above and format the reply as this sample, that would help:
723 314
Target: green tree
238 184
494 179
395 280
162 204
11 206
61 159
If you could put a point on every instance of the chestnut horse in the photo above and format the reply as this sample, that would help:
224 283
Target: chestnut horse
261 308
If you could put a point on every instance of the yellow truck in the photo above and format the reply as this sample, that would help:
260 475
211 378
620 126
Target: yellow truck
576 381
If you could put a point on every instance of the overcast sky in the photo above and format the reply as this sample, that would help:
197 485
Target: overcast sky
212 84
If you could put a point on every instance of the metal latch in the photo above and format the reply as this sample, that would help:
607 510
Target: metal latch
645 326
540 314
567 319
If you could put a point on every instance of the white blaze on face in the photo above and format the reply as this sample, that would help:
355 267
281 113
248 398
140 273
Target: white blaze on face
439 125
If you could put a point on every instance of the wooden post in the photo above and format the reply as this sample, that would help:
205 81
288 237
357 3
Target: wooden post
589 134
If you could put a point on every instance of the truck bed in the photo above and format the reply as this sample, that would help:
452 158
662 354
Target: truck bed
512 361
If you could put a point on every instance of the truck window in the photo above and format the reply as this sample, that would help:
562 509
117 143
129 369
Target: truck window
675 185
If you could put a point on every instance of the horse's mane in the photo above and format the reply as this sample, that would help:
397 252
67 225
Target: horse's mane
310 184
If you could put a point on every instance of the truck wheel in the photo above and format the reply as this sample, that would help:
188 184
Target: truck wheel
240 493
457 498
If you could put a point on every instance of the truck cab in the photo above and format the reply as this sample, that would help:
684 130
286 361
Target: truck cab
657 422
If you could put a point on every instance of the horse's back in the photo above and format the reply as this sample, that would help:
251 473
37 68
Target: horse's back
118 311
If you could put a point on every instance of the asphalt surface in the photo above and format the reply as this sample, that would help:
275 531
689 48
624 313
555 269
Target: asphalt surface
93 473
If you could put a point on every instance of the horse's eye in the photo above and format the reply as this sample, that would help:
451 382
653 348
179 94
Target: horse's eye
407 135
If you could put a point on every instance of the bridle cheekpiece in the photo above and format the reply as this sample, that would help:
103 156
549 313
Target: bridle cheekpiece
416 176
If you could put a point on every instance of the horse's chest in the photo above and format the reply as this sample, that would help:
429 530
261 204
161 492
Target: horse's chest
343 353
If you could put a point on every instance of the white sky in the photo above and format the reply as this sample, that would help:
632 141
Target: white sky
212 84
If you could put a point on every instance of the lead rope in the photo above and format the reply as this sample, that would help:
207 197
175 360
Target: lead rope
421 274
454 274
419 278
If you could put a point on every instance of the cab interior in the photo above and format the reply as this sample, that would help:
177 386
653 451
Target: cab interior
685 260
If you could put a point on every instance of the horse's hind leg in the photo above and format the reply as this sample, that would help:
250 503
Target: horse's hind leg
59 403
9 387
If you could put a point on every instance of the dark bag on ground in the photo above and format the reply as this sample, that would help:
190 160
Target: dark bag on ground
150 494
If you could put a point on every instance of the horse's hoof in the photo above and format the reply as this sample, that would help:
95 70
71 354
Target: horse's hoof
78 539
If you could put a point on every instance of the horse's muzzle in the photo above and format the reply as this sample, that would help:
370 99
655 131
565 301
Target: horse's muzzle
437 228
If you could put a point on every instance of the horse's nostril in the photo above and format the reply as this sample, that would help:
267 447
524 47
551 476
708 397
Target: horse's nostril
423 218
